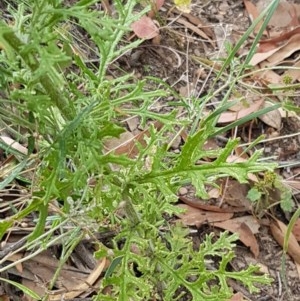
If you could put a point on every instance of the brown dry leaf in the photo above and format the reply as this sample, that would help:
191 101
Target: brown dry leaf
84 285
196 217
235 194
145 28
268 76
204 206
253 13
296 230
122 145
133 123
252 10
293 184
279 230
126 144
242 226
237 297
227 117
210 144
17 257
261 56
285 14
272 118
71 282
287 50
239 151
269 44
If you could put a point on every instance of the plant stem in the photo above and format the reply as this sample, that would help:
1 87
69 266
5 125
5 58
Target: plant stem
32 62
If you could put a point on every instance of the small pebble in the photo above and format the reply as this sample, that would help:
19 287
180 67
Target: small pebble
183 191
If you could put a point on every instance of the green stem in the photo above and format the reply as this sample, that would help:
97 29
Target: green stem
32 62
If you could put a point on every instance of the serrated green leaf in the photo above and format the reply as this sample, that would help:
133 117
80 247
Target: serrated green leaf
254 194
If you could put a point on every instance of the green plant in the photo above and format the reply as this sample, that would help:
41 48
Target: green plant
68 112
270 191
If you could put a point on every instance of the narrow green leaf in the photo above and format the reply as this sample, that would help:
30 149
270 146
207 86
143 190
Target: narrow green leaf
40 226
23 288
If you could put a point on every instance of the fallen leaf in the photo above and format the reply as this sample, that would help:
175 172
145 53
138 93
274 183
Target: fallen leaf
204 206
240 226
296 229
227 117
250 221
272 118
253 13
284 15
235 194
126 143
237 297
261 56
268 76
120 145
145 28
196 217
279 230
287 50
275 42
82 287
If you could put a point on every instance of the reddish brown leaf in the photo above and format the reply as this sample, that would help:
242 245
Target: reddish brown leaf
269 44
145 28
291 46
196 217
